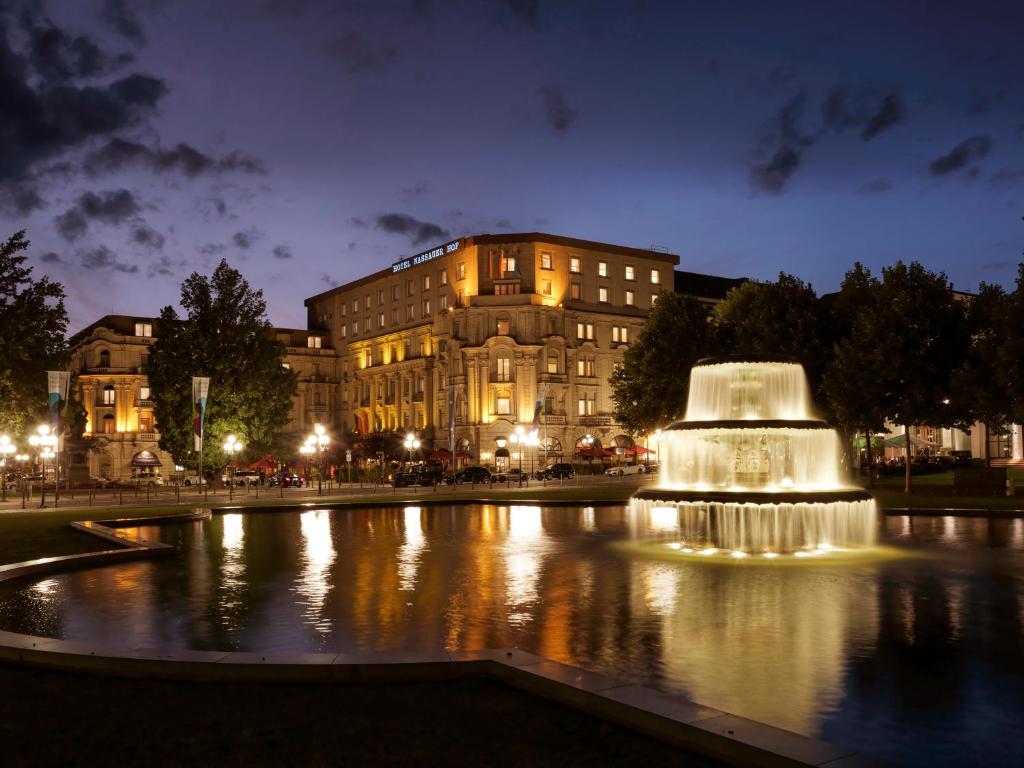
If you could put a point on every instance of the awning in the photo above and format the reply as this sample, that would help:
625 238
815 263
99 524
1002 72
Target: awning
444 455
501 453
266 463
145 459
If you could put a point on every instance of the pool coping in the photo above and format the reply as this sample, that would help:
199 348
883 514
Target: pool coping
678 721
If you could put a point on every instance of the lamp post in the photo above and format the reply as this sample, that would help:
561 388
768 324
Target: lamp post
44 442
317 443
411 444
6 449
231 447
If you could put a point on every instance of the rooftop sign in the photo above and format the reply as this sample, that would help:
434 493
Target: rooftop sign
420 258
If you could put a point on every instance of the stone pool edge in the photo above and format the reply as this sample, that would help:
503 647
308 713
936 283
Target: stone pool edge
704 730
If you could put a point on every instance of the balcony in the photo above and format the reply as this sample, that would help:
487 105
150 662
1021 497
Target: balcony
554 378
594 421
417 397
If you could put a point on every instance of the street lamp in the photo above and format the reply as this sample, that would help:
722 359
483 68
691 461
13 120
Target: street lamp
44 443
411 444
317 443
231 447
6 449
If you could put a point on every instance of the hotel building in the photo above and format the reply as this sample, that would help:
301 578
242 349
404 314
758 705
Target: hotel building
466 338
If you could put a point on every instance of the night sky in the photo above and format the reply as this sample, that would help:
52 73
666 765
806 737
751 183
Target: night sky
310 142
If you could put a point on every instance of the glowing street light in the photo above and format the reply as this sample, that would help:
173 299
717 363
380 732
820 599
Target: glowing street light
231 447
411 443
44 442
6 449
317 443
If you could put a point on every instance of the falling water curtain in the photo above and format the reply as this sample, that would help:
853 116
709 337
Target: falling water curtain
200 391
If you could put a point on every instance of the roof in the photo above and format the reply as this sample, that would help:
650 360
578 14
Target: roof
517 237
706 286
125 325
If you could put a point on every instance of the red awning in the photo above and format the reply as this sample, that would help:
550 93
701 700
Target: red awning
444 455
267 462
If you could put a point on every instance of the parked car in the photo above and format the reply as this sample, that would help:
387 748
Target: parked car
652 468
624 469
190 480
145 476
560 471
286 479
419 474
242 477
472 475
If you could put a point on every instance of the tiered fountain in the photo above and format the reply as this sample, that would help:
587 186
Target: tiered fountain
749 473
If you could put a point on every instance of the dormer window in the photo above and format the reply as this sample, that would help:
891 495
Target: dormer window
314 342
104 358
143 329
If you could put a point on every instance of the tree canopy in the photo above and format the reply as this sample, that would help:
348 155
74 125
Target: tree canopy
226 336
651 387
33 323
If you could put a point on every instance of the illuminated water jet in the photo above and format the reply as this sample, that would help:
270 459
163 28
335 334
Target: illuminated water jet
749 470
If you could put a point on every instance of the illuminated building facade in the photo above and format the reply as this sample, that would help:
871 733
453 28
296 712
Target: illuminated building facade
473 333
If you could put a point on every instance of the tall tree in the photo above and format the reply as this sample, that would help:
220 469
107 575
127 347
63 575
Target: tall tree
855 384
33 323
778 318
651 386
225 335
920 329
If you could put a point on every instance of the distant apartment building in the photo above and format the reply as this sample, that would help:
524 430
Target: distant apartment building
121 437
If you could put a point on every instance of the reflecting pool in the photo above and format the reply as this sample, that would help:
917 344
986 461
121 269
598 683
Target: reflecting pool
916 659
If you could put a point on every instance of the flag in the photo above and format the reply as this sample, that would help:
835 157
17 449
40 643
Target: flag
538 408
200 389
57 385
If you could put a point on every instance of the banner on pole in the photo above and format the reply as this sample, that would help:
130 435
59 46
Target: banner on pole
200 389
57 383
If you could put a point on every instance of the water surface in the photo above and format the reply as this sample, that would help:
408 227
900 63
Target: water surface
918 660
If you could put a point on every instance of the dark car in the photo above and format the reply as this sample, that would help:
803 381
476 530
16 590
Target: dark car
557 472
286 480
472 475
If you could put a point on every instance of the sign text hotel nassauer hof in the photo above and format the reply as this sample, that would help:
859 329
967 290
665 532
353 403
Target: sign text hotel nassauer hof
420 258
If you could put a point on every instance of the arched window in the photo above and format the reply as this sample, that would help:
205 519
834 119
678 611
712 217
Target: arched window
104 358
108 395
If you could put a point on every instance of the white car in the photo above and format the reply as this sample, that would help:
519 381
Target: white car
189 480
624 469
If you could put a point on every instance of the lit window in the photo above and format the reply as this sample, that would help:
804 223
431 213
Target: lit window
460 271
380 319
344 308
426 282
355 305
380 296
625 335
590 331
143 329
574 264
314 342
630 298
426 307
602 294
287 367
580 331
615 334
630 272
545 287
108 395
366 301
108 424
654 298
442 302
504 405
409 313
444 277
504 369
581 406
355 326
344 331
508 265
394 316
602 269
655 277
579 367
502 328
143 393
553 362
545 260
574 291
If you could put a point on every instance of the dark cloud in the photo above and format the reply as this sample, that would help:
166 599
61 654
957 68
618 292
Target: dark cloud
997 265
889 112
145 235
527 11
282 252
773 175
327 279
417 231
982 101
877 186
358 221
108 207
23 199
51 258
559 114
165 266
246 238
102 258
59 57
974 148
119 153
503 224
40 122
212 249
359 54
123 21
419 189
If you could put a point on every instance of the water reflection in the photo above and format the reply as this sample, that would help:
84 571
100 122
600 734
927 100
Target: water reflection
915 652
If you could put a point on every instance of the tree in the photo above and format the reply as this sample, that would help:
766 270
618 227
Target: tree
33 324
919 329
855 384
1013 354
225 335
651 386
780 318
985 385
